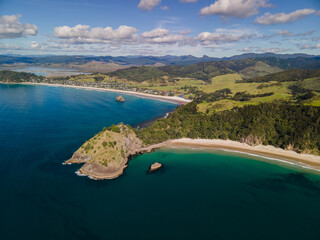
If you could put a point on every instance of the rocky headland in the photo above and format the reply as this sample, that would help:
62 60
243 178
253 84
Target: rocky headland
106 155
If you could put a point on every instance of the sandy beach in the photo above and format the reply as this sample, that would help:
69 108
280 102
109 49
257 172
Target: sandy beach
173 99
260 152
276 154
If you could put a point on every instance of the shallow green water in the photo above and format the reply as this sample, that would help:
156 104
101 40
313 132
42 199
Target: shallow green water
196 195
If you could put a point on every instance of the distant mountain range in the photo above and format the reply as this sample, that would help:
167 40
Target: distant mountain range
7 60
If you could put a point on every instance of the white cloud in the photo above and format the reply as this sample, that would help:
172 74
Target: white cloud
235 8
124 35
318 13
148 5
274 50
270 19
308 46
165 8
161 36
168 39
223 36
5 46
287 33
10 27
188 1
264 50
185 32
34 45
248 49
82 34
158 32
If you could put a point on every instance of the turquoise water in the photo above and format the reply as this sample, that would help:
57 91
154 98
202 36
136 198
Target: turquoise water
197 195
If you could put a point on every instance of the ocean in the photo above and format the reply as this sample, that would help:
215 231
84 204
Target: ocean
198 194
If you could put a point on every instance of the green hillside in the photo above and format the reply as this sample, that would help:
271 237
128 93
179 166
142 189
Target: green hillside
11 76
248 68
285 125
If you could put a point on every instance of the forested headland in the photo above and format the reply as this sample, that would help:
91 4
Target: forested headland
284 125
18 77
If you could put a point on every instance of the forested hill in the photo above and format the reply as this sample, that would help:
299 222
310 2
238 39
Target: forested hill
287 76
289 126
248 68
11 76
136 60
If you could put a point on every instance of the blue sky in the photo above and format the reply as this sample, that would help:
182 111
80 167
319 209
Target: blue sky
159 27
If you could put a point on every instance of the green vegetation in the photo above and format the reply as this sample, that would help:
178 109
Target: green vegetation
243 96
88 147
18 77
114 128
247 68
104 144
201 71
288 76
282 125
139 74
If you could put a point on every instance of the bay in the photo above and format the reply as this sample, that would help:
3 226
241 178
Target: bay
196 195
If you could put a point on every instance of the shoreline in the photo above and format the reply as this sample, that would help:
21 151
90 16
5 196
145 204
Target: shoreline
264 153
306 161
173 99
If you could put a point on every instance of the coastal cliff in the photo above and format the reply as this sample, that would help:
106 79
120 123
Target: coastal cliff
276 124
105 156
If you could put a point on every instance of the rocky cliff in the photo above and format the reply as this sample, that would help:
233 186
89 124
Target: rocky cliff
105 156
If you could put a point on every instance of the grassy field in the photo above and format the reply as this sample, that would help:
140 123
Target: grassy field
166 84
312 84
229 81
281 92
182 86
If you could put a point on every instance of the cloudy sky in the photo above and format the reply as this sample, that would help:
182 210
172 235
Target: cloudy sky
159 27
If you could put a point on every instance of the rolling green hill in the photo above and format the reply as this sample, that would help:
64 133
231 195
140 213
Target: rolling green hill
287 76
248 68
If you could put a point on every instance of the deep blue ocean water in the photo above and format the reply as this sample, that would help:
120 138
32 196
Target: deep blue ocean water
197 195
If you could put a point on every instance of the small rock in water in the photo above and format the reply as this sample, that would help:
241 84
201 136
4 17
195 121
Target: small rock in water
120 99
154 167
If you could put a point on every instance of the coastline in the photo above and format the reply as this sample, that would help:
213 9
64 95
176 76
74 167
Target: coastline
173 99
277 155
308 161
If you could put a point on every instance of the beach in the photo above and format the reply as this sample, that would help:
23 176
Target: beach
173 99
259 152
277 154
270 152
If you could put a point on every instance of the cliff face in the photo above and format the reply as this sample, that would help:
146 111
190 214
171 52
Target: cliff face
106 154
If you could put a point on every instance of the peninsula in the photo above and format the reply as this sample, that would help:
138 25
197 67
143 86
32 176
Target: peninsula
105 156
251 129
261 106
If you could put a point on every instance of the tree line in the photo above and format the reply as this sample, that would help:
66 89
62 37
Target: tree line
281 125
